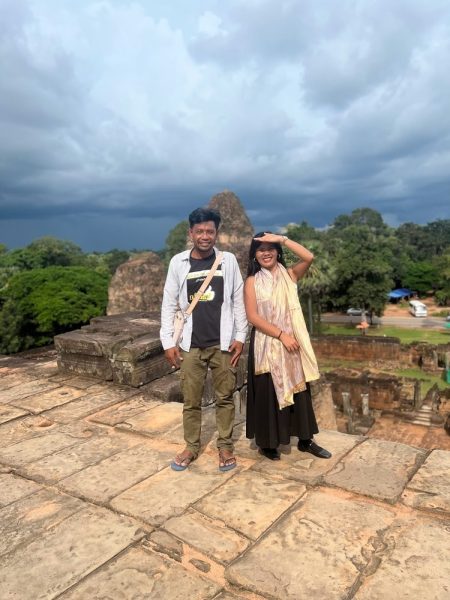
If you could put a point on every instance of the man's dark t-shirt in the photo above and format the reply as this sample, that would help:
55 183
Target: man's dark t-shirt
206 315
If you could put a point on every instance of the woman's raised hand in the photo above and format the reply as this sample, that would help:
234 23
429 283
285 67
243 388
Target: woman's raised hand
271 238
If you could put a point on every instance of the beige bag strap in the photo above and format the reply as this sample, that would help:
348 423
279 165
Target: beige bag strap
204 285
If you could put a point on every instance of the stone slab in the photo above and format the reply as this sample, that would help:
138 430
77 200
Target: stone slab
102 397
32 449
86 364
22 390
43 401
142 574
305 467
111 476
77 381
14 377
253 503
86 540
430 486
35 514
416 565
377 468
14 488
316 551
8 413
165 389
24 428
169 493
154 421
122 412
209 536
68 461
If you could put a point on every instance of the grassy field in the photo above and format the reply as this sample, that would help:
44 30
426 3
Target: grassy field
405 335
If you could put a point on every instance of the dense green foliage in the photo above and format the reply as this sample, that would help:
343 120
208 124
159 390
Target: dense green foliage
176 240
40 303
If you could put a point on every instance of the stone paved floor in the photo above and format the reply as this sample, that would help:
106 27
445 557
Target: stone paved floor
89 507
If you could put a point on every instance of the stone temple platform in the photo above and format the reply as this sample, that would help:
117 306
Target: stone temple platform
89 507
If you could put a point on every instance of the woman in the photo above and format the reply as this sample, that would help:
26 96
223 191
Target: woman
281 359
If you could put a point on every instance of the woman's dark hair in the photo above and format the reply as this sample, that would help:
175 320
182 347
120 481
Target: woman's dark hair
202 215
253 265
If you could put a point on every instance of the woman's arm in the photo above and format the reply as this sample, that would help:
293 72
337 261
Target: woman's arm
251 308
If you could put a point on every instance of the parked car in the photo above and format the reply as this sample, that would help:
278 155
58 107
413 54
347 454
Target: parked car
354 312
417 309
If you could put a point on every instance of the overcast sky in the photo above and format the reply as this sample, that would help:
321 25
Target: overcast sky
118 117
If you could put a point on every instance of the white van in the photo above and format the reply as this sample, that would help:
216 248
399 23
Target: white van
417 309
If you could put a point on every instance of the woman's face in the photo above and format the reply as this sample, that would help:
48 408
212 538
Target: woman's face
266 255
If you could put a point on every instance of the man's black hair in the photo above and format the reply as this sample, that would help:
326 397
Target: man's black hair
201 215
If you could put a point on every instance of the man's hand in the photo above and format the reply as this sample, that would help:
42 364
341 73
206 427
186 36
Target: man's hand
235 350
173 357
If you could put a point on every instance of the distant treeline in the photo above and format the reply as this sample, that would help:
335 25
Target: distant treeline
52 286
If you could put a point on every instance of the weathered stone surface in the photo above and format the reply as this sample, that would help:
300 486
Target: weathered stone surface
85 342
376 468
86 540
90 403
32 449
165 389
117 473
22 390
71 460
142 574
236 231
211 537
85 364
14 488
137 285
38 403
36 514
416 565
164 543
316 551
305 467
169 493
8 413
77 381
23 429
140 372
121 412
156 420
430 486
252 504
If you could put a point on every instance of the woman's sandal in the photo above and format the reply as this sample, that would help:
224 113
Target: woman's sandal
226 463
182 461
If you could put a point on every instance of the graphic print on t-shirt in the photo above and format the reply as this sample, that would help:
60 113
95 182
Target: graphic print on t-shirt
206 314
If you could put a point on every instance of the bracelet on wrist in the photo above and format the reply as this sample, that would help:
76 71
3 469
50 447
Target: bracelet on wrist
279 335
284 239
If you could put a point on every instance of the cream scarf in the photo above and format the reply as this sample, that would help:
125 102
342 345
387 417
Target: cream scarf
278 303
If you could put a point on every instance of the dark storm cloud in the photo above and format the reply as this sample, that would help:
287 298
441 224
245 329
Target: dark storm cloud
119 115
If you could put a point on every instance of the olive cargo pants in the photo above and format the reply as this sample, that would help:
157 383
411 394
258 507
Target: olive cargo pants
194 368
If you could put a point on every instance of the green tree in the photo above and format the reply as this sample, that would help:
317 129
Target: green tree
421 277
176 240
442 266
43 252
38 304
363 270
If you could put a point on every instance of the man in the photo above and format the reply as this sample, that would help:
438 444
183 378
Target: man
213 335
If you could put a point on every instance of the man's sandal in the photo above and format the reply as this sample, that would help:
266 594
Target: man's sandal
226 463
182 461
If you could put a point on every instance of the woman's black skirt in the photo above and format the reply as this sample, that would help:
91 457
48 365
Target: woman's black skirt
269 425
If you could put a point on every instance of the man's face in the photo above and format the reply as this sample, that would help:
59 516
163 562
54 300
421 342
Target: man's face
203 236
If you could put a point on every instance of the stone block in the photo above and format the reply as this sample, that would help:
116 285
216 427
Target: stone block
252 503
142 574
169 493
43 401
8 413
13 488
115 474
86 540
154 421
377 468
164 389
316 551
209 536
416 564
430 487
